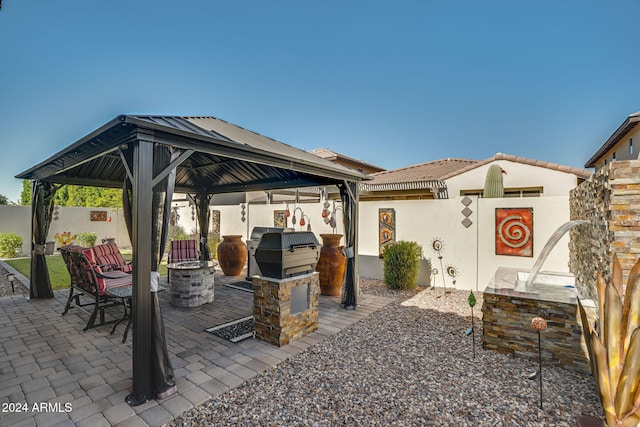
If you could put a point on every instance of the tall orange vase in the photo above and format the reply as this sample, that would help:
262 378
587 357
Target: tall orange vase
232 255
332 265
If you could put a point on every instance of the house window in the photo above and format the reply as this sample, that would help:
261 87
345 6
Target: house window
613 157
630 147
509 192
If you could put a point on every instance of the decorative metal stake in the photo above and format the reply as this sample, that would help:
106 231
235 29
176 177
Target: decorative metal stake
539 324
472 302
438 247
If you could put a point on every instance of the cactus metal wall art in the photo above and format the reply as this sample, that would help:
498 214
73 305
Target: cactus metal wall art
493 185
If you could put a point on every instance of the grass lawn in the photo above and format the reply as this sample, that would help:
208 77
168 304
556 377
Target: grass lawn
57 270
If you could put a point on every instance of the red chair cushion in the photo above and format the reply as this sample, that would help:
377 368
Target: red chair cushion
183 250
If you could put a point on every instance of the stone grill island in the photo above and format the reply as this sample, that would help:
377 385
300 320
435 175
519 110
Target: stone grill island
285 297
509 305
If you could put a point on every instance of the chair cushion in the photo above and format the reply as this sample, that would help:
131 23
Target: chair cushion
107 257
183 250
115 279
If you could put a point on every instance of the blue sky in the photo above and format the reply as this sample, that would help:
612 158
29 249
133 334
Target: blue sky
391 83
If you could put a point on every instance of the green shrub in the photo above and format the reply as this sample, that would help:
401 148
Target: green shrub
401 264
176 232
9 244
87 238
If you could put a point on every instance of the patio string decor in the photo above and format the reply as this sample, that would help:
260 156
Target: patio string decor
234 331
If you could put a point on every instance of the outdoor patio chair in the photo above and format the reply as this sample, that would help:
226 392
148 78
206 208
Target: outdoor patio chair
107 257
183 250
88 280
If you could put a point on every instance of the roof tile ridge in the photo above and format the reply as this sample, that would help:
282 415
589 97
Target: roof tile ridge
541 163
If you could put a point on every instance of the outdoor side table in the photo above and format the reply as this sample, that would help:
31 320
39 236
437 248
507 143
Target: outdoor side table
125 293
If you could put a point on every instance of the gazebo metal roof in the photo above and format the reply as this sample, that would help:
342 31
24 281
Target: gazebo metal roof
211 157
226 157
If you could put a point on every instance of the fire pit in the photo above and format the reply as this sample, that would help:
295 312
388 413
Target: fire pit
191 283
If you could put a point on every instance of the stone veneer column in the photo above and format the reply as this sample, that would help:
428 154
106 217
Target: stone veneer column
610 200
273 320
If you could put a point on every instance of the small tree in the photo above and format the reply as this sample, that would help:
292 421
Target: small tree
401 264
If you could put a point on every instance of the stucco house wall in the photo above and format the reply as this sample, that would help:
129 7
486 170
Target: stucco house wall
628 148
519 175
470 250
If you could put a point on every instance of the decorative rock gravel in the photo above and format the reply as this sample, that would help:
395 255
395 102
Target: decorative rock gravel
409 364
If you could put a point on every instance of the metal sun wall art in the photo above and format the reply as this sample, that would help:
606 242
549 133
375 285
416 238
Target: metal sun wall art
386 229
514 231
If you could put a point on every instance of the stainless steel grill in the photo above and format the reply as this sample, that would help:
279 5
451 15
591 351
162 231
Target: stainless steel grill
287 253
252 245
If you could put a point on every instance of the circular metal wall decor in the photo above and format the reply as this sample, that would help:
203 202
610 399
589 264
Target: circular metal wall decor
513 232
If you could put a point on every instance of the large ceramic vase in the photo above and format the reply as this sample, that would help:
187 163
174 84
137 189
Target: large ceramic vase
331 265
232 255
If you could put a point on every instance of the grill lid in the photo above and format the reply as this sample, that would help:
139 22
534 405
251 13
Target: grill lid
257 232
288 240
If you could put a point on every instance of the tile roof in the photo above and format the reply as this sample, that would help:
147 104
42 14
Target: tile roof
443 169
430 171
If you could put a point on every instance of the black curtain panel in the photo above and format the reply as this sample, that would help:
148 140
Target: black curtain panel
162 370
42 205
349 203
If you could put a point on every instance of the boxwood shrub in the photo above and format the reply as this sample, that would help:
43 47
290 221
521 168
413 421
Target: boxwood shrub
401 264
9 244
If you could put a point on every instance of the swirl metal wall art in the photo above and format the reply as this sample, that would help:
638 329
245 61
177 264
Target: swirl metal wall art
514 231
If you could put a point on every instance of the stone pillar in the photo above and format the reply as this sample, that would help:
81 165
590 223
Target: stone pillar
610 200
285 310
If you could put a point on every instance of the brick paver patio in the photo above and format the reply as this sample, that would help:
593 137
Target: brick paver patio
77 378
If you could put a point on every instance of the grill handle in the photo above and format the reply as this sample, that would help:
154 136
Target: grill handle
302 245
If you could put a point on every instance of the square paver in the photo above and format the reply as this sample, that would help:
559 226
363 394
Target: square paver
118 413
176 405
156 416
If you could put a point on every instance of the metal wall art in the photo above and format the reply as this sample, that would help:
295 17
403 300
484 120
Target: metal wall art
386 229
98 215
514 231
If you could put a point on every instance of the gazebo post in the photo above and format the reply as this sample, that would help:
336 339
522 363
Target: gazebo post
142 188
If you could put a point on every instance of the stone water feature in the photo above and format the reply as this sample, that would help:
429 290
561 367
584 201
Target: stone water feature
514 297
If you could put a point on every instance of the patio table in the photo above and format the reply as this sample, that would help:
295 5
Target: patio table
125 293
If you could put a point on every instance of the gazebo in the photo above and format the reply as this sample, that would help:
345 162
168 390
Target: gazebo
150 157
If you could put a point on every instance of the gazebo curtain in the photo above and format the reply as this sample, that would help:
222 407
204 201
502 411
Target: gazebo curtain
348 194
162 370
42 205
204 218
